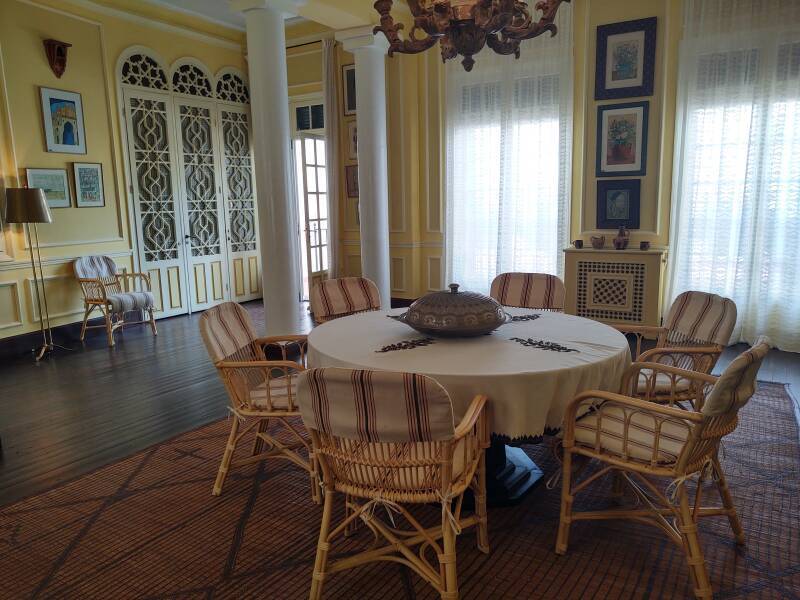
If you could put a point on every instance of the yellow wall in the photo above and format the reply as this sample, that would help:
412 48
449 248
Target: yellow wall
98 36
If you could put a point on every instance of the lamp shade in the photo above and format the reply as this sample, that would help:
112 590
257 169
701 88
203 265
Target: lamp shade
26 205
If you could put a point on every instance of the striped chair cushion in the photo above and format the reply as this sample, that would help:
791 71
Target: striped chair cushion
228 333
375 406
529 290
127 301
602 430
698 316
737 383
94 267
334 298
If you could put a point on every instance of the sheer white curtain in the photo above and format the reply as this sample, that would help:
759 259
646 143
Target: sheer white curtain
508 141
330 74
736 192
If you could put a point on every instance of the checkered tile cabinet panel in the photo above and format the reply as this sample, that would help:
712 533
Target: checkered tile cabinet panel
615 286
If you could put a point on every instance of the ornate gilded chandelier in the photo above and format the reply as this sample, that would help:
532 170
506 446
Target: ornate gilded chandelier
464 27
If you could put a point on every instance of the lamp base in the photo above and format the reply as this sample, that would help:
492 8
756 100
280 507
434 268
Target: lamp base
46 349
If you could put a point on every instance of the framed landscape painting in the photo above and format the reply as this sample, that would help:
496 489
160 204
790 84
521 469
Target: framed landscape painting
62 114
55 184
622 139
88 185
626 56
618 202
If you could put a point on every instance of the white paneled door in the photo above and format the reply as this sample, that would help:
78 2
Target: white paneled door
191 180
205 238
155 190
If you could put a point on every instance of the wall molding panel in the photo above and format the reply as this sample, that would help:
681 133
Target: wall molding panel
15 301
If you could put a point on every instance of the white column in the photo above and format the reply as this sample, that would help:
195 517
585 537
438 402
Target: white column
373 179
277 213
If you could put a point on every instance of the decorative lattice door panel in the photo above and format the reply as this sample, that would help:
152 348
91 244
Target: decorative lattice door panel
204 220
155 195
240 202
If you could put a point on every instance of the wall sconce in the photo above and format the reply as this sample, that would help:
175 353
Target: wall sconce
56 55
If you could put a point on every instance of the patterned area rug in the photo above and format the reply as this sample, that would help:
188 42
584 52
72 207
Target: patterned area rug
148 527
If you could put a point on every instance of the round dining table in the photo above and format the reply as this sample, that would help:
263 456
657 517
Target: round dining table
530 369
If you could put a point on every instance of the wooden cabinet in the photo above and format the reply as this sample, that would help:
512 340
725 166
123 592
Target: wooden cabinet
615 286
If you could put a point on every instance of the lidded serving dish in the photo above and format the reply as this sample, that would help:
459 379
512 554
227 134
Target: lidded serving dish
454 314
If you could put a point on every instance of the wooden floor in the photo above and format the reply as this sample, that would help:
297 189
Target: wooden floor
84 408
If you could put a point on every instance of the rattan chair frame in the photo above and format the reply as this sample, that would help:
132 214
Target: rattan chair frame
426 470
96 291
674 513
242 376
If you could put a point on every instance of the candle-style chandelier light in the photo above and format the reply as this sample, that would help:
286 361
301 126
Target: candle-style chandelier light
464 27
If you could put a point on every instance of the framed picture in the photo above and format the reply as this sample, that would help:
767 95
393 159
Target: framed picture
351 180
88 185
55 184
626 57
349 87
62 114
352 140
618 203
622 139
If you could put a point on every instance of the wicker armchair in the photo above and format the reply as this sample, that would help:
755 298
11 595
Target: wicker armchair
529 290
335 298
697 329
113 294
643 442
261 392
386 440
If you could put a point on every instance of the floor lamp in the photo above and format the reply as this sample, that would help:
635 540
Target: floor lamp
29 207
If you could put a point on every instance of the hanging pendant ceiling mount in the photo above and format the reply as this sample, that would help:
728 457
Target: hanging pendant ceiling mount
464 27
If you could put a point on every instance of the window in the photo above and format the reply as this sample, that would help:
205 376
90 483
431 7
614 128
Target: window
508 128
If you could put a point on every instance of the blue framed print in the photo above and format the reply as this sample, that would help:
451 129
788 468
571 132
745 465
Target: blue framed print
626 57
618 202
622 139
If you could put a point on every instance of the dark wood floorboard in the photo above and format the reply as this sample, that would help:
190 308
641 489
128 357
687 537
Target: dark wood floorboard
82 409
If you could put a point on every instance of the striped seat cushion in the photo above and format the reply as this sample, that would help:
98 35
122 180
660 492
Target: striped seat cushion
334 298
603 429
127 301
529 290
278 393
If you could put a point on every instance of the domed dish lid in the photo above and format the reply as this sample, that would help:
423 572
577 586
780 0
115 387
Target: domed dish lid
454 314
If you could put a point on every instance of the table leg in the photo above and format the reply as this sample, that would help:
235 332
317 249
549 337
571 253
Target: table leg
510 474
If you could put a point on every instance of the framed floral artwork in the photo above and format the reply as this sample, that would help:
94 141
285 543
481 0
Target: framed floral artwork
618 203
626 56
622 139
88 185
62 113
351 180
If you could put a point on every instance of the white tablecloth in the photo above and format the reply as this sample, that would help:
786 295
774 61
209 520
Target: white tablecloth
528 388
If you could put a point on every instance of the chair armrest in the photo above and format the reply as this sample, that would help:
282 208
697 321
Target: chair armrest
133 276
640 331
286 343
277 339
693 358
600 398
474 412
697 382
259 364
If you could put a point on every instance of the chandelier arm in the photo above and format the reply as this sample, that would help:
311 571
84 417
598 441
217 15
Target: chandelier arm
500 17
545 23
392 30
503 46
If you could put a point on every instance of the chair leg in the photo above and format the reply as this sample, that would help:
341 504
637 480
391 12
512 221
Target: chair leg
480 505
109 327
566 503
227 456
727 501
447 561
617 487
323 545
691 542
152 321
86 312
316 495
258 443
